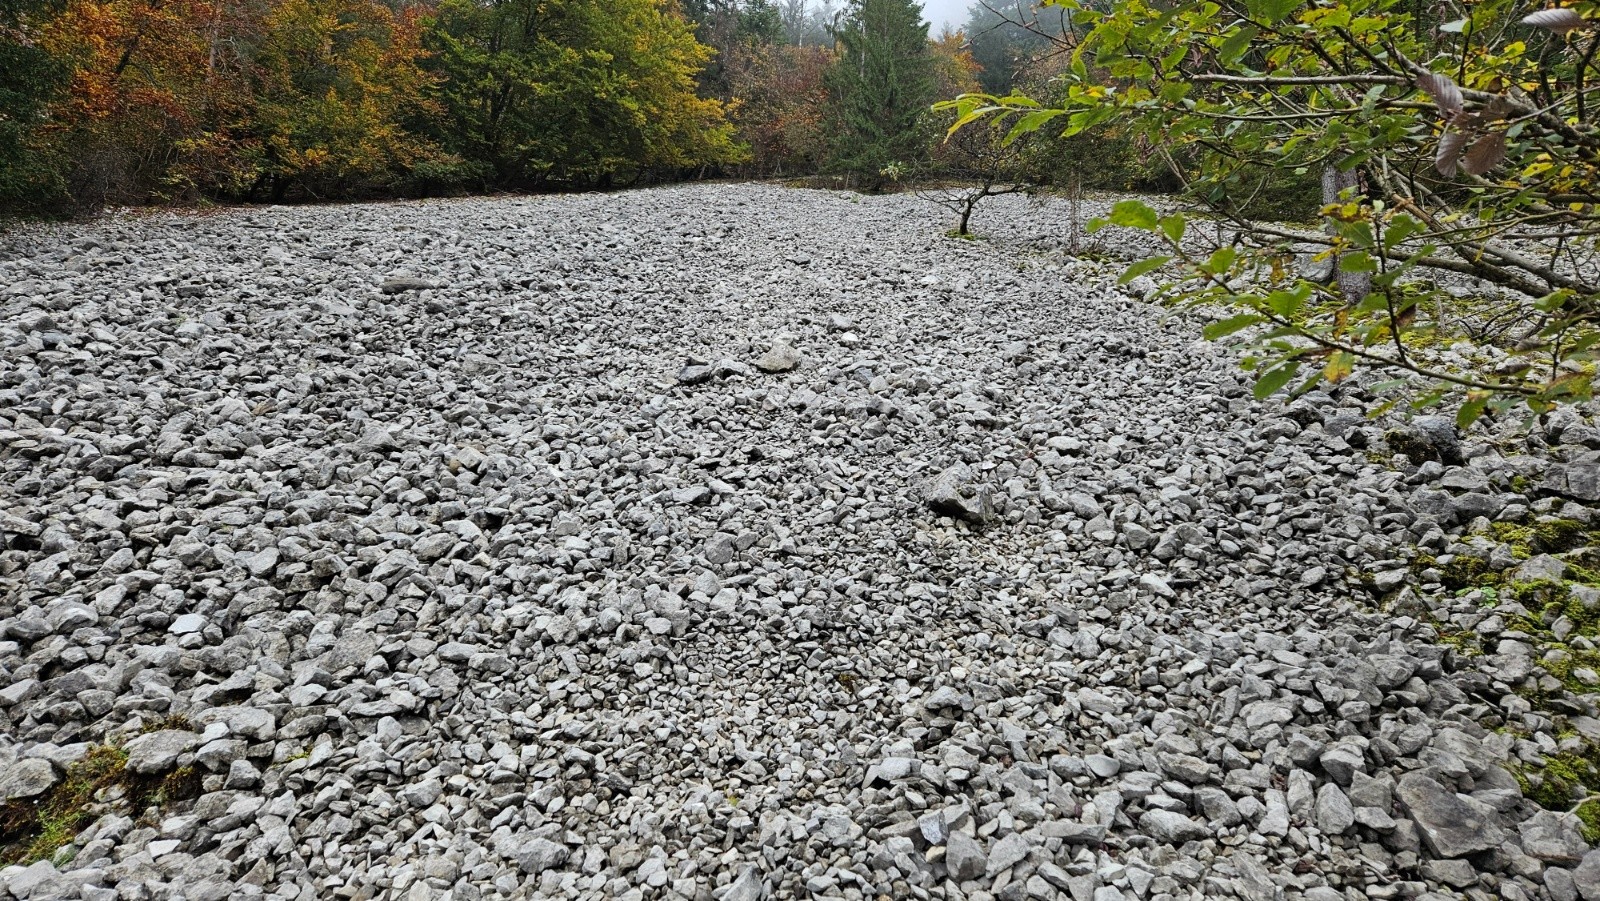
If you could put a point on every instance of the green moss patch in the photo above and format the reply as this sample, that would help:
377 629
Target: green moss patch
1565 782
37 829
1589 814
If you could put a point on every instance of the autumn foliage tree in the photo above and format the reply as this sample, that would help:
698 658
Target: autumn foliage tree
780 107
335 85
138 101
151 95
575 91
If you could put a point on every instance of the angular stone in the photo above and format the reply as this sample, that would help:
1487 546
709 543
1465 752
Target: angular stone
781 358
1586 876
1450 825
1006 853
187 624
540 854
1335 816
748 887
158 752
956 493
1553 837
1171 828
1342 762
1542 568
964 859
402 284
27 778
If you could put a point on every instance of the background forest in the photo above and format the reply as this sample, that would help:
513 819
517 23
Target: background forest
148 101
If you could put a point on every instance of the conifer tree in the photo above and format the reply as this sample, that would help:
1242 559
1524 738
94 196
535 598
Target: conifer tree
881 88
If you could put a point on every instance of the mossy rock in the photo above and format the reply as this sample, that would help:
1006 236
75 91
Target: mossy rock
1466 571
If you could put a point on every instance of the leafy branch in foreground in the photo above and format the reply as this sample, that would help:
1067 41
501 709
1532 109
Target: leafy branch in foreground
1458 147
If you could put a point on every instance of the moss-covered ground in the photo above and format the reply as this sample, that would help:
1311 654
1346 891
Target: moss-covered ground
96 784
1561 618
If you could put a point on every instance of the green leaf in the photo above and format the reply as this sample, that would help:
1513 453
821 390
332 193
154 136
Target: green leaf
1403 226
1019 100
1288 303
1225 327
1134 214
1172 226
1221 260
1142 267
1236 44
1031 122
1358 261
1472 409
1431 399
1275 378
1271 11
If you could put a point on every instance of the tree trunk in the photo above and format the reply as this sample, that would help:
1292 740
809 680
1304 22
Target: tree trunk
1353 285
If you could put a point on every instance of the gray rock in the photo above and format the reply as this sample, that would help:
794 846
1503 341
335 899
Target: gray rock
37 880
187 624
957 494
1427 438
1342 762
1261 714
1334 814
1171 828
964 858
159 752
1542 568
947 698
540 854
1586 876
1275 819
720 549
422 794
403 284
780 358
696 373
1450 825
27 778
748 887
1102 766
1218 806
1006 853
1553 837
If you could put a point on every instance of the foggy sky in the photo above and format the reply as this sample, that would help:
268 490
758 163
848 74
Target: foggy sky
938 12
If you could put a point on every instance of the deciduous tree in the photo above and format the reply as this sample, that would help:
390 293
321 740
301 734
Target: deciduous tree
1465 143
336 82
575 90
28 170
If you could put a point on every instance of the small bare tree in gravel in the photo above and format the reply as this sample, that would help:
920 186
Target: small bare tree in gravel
976 163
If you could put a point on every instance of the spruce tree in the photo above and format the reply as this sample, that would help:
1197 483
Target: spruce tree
881 88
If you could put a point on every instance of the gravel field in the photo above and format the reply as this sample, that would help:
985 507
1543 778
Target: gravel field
727 542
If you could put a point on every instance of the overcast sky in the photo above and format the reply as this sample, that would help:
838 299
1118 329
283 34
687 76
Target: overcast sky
939 12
